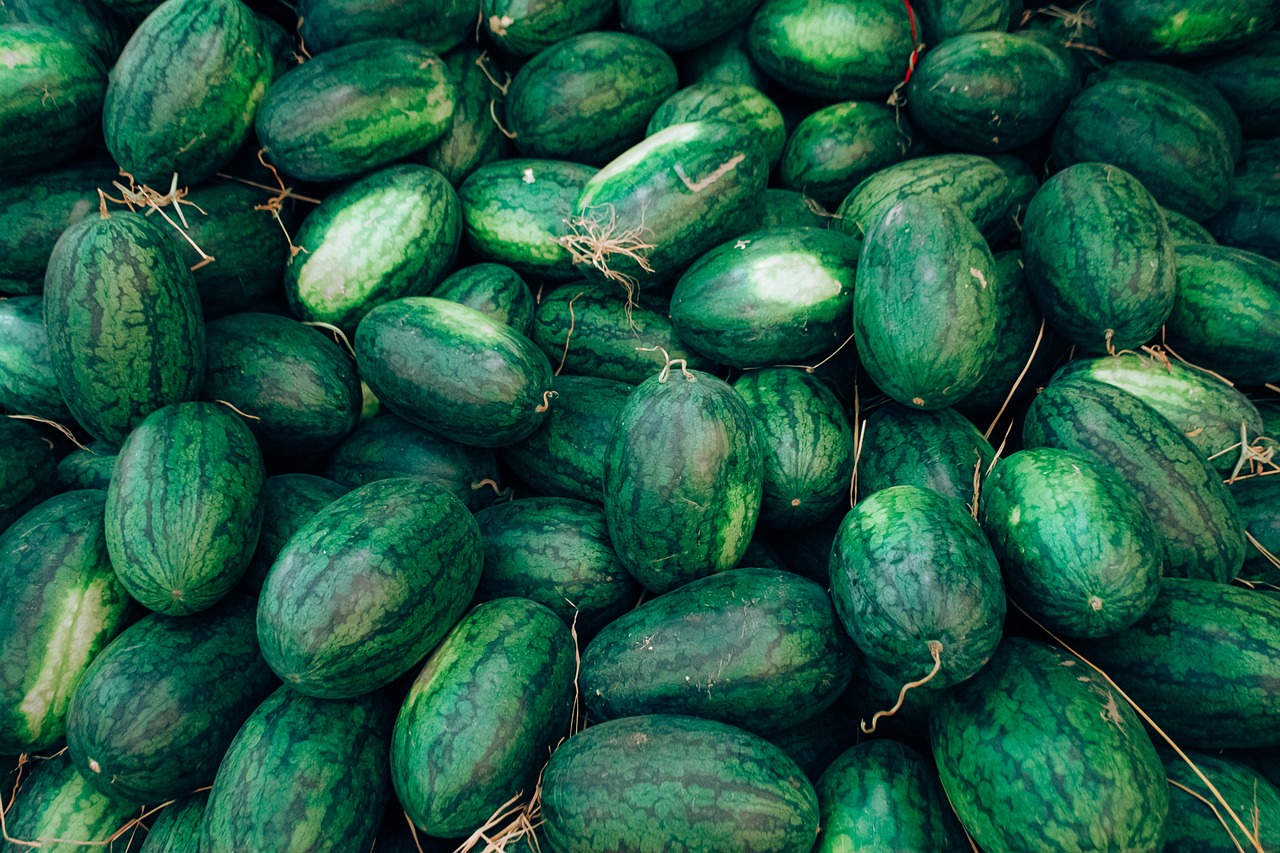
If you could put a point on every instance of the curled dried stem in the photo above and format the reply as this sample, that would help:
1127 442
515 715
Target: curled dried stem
275 204
595 237
935 651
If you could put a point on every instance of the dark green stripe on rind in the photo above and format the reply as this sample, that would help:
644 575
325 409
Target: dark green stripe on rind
176 829
89 468
937 450
56 803
27 383
682 26
832 150
1196 819
940 20
288 502
437 24
494 290
1184 230
84 20
743 106
1249 78
1177 28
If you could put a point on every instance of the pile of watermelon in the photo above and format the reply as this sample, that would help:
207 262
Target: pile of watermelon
742 425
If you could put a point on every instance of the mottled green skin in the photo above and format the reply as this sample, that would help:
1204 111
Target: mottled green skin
1205 409
1183 230
1037 752
300 387
524 27
157 708
288 502
1191 508
50 95
346 269
604 337
1249 78
1224 314
386 446
63 605
464 743
355 108
1205 662
683 26
775 296
816 742
366 587
302 775
34 212
84 20
118 296
87 469
758 648
588 98
565 456
936 450
1258 500
184 91
842 50
177 828
744 106
1098 258
924 306
27 383
438 25
494 290
1174 145
1178 28
989 91
56 802
555 551
682 479
883 795
806 441
515 212
942 20
1079 44
1024 183
723 60
1251 218
789 208
453 371
28 469
472 138
834 149
909 567
665 782
683 191
1193 825
183 510
1079 551
977 184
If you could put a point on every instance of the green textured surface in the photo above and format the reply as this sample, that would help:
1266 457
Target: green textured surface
388 235
842 50
1078 549
355 108
1205 662
56 802
1249 78
1183 230
472 138
118 295
302 775
942 20
438 25
453 371
658 783
1224 313
300 387
1038 753
464 743
924 308
176 829
1258 500
90 468
741 105
184 91
910 567
789 208
1098 258
63 605
775 296
524 27
288 501
366 587
1178 28
757 648
806 441
515 211
28 469
27 383
183 510
682 26
588 97
51 92
86 21
935 450
555 551
1197 827
834 149
157 708
682 479
1251 218
1191 508
494 290
722 60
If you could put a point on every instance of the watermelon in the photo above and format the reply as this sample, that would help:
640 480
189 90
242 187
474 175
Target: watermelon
682 479
366 587
473 138
791 208
758 648
1184 230
941 20
86 21
355 108
288 502
89 468
672 782
524 27
1249 79
177 828
302 774
27 470
939 450
464 743
27 383
453 371
1258 499
439 25
912 577
1251 218
494 290
816 742
723 60
300 388
743 106
683 26
1038 752
832 150
1179 28
57 804
183 510
588 97
1196 819
158 706
117 295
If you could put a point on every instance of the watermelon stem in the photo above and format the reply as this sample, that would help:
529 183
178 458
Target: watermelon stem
547 397
493 114
665 374
245 415
568 335
275 204
338 335
481 63
935 650
593 240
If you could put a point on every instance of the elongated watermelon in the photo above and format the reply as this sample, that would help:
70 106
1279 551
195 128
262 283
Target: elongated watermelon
743 106
492 289
438 25
58 804
177 828
1180 27
27 383
1196 819
524 27
288 502
472 138
723 60
87 21
941 20
1249 78
89 468
686 25
938 450
832 150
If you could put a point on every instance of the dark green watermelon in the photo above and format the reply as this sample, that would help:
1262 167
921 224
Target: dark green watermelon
1249 78
439 25
28 469
723 60
493 289
288 502
1196 819
55 803
743 106
524 27
791 208
941 20
1179 28
938 450
1258 500
86 21
473 138
1184 230
832 150
176 829
682 26
27 383
1251 218
87 468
